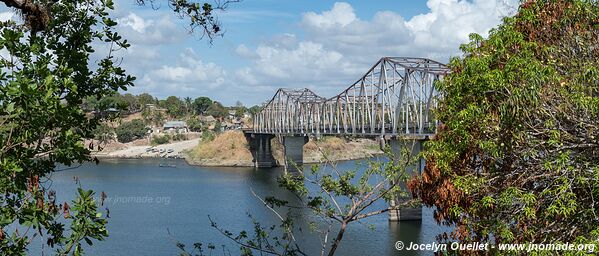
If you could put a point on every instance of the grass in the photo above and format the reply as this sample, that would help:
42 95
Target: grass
230 145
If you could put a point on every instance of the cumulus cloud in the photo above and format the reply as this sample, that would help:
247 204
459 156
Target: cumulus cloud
147 31
338 47
188 75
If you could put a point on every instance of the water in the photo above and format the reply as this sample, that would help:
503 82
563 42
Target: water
152 208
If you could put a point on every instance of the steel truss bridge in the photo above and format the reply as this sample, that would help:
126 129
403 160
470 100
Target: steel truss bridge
394 98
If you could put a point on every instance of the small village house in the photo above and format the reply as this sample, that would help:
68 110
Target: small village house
175 127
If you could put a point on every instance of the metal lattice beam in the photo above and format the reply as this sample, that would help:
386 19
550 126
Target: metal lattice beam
394 97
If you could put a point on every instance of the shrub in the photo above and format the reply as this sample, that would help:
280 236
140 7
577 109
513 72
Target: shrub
160 139
208 136
131 131
178 137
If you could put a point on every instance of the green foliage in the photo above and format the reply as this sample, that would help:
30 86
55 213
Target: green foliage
103 133
216 110
86 224
336 197
130 131
178 137
208 136
158 140
217 126
42 87
174 106
201 104
516 159
194 124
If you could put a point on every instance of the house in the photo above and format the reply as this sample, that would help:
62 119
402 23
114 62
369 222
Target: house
232 114
237 123
175 127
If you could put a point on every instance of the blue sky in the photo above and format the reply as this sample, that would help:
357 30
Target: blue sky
268 44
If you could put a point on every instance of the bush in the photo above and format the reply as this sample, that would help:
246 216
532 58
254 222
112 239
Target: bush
160 139
131 131
194 125
103 133
208 136
178 137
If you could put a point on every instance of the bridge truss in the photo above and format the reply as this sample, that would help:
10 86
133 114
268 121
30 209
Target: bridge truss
395 97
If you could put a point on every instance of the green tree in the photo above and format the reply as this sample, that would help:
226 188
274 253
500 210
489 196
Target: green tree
201 104
131 101
174 106
516 158
194 124
240 109
130 131
103 133
144 99
90 103
188 105
42 86
254 109
216 110
337 198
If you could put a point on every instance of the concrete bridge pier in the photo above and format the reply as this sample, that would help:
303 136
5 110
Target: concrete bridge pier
397 146
261 149
294 151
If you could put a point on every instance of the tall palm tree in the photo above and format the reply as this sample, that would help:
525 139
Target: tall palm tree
188 105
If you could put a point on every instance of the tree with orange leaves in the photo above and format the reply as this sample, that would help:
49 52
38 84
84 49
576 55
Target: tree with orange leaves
517 157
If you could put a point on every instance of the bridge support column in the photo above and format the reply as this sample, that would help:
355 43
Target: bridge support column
261 149
397 146
294 151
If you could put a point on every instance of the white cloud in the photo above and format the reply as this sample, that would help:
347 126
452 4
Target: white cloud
338 47
189 76
135 22
342 15
145 31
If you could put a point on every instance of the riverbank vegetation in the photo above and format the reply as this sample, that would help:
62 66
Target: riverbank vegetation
46 73
517 157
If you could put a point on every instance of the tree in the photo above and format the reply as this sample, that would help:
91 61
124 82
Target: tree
201 104
516 160
174 106
132 103
90 103
42 86
240 109
130 131
201 15
194 124
217 110
145 99
103 133
338 197
254 109
188 105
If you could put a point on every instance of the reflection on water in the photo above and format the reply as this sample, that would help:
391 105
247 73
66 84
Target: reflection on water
151 208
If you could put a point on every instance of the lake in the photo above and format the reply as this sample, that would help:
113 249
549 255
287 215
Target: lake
152 208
